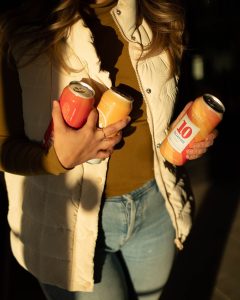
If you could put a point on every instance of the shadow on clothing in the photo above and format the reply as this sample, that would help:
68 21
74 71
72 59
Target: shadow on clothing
15 282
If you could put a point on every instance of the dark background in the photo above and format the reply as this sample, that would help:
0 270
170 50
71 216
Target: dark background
213 36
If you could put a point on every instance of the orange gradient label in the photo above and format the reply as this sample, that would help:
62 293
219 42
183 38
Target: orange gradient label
199 120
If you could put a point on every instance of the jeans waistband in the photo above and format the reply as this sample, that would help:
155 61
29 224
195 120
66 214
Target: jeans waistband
139 191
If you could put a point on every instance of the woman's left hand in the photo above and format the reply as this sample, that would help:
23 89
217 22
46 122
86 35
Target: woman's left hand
197 149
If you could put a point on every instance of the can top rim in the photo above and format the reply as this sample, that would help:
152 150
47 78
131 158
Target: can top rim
215 103
85 87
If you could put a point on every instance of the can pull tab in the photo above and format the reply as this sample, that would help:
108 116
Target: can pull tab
78 89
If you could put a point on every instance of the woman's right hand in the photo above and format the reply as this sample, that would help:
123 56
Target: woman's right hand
76 146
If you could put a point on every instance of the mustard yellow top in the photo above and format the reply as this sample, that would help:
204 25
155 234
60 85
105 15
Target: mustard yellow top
131 164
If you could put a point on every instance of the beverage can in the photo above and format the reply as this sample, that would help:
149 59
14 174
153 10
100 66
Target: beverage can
76 102
113 106
200 119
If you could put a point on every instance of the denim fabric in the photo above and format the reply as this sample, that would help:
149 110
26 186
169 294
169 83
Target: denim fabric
137 242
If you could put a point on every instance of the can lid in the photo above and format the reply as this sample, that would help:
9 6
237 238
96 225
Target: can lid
214 103
82 89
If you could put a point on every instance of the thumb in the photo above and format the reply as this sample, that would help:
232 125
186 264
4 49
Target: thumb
92 118
58 120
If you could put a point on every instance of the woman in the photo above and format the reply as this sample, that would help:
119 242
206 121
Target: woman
81 227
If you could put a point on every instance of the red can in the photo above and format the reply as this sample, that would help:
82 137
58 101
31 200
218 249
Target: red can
76 102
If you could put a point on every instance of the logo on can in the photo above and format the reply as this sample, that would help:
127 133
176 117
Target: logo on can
76 102
200 119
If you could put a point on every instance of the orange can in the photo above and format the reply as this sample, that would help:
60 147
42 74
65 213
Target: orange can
113 107
200 119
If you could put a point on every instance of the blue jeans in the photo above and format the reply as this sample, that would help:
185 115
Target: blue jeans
135 251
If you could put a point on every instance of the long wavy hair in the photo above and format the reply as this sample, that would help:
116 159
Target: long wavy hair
45 24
